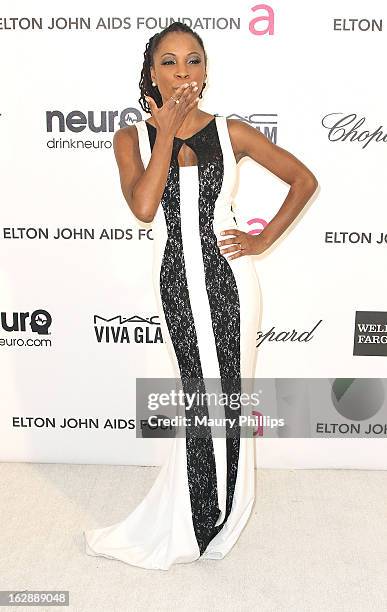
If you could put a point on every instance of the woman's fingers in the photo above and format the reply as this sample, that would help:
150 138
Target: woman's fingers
180 103
185 95
232 249
192 96
184 98
228 241
177 98
187 92
237 242
152 103
234 253
236 233
194 101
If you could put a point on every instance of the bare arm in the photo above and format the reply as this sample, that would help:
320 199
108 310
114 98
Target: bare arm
247 141
142 188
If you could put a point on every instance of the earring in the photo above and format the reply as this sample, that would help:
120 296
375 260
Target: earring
154 84
201 93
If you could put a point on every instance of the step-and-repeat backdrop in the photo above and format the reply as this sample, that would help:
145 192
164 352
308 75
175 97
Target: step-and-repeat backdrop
79 322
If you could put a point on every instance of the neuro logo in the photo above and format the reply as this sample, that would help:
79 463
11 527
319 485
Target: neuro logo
39 321
101 121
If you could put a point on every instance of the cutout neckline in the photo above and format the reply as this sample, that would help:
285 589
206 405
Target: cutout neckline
190 137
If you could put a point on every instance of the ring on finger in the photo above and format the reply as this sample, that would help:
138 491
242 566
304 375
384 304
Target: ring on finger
181 94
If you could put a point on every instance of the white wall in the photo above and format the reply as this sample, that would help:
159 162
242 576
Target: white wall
292 80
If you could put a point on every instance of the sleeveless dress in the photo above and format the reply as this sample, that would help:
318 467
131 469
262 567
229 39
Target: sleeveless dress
209 310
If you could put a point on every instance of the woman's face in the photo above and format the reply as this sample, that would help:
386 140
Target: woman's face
178 59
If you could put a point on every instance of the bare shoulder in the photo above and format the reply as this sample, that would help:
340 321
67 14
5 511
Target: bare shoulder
126 145
247 141
125 135
240 132
234 124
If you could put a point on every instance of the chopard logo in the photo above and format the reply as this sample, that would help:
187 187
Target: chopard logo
349 127
285 336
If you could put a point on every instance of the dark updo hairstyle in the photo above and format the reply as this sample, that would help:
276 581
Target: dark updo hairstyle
146 86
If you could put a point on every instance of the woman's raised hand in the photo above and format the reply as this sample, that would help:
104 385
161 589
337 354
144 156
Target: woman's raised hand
171 115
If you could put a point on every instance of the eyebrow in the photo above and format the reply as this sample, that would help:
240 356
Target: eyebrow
190 53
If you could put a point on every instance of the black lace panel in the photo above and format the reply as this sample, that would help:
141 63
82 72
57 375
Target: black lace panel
225 315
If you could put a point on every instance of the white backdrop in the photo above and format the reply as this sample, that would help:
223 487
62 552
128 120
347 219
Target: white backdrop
66 88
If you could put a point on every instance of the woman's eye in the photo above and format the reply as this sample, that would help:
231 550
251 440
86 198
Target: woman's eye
195 61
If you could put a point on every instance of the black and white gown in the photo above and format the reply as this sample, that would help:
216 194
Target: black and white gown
209 310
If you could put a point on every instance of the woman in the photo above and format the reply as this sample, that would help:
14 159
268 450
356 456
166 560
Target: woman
178 171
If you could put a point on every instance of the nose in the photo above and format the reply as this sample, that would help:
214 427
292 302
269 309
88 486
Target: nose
182 75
